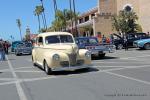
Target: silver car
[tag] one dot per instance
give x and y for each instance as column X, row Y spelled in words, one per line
column 25, row 48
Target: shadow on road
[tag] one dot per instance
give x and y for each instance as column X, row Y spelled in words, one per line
column 106, row 57
column 80, row 71
column 141, row 49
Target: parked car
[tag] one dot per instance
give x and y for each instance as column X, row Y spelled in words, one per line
column 14, row 45
column 131, row 37
column 24, row 48
column 57, row 51
column 92, row 44
column 143, row 44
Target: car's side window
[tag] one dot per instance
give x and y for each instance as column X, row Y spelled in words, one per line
column 40, row 40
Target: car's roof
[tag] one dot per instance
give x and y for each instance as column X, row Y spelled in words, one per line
column 85, row 37
column 54, row 33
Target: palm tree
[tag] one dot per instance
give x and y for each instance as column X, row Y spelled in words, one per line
column 19, row 26
column 37, row 12
column 75, row 18
column 55, row 6
column 70, row 4
column 44, row 16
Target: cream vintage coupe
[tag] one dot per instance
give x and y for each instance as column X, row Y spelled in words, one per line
column 57, row 51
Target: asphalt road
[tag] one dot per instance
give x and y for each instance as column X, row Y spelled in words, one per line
column 123, row 75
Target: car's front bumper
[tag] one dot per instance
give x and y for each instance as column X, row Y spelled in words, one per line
column 71, row 68
column 101, row 51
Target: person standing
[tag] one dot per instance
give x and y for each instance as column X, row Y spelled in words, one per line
column 1, row 47
column 103, row 39
column 6, row 47
column 125, row 43
column 2, row 52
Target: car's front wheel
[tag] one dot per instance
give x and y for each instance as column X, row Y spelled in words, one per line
column 17, row 54
column 33, row 61
column 147, row 46
column 46, row 68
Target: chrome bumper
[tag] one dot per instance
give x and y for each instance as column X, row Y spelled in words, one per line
column 71, row 68
column 95, row 52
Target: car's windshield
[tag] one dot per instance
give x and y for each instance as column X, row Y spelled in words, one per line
column 88, row 41
column 24, row 45
column 59, row 39
column 28, row 45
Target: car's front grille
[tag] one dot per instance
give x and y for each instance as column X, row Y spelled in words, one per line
column 72, row 59
column 80, row 62
column 64, row 63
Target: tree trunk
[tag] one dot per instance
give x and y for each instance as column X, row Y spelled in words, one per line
column 39, row 23
column 20, row 33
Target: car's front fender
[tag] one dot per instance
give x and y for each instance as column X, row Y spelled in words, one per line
column 48, row 57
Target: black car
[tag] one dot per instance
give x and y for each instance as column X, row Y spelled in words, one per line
column 131, row 37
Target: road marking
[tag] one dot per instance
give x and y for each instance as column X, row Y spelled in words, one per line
column 22, row 68
column 24, row 71
column 36, row 79
column 7, row 79
column 136, row 57
column 18, row 85
column 130, row 78
column 8, row 83
column 123, row 67
column 4, row 70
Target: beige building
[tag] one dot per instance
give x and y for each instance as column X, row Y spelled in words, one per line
column 100, row 17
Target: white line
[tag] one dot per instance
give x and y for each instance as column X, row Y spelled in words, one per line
column 122, row 67
column 130, row 78
column 4, row 70
column 18, row 85
column 7, row 79
column 36, row 79
column 136, row 57
column 22, row 68
column 8, row 83
column 24, row 71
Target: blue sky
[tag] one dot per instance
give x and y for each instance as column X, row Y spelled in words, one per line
column 10, row 10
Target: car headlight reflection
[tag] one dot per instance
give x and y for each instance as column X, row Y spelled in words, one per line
column 88, row 54
column 56, row 57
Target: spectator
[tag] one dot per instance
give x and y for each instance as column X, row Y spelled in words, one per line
column 125, row 43
column 2, row 52
column 6, row 47
column 103, row 39
column 111, row 39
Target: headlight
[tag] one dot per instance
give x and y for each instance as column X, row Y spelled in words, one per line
column 88, row 54
column 56, row 57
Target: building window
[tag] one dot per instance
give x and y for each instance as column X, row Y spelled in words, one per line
column 86, row 18
column 92, row 15
column 81, row 20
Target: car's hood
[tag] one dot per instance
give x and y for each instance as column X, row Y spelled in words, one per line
column 66, row 48
column 142, row 40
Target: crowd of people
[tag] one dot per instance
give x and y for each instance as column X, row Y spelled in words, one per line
column 4, row 45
